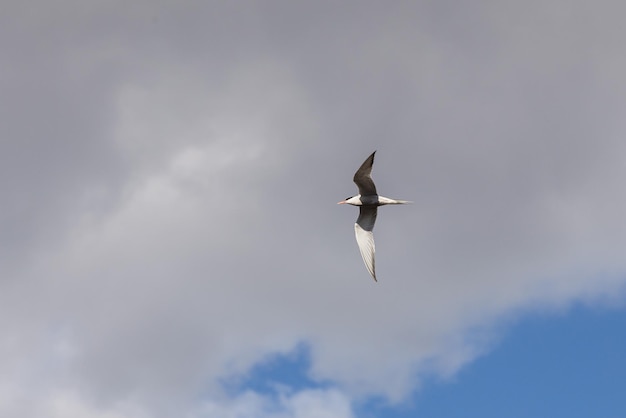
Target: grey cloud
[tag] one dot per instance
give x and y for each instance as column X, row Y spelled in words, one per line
column 170, row 171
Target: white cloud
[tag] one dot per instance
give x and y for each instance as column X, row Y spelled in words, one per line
column 307, row 403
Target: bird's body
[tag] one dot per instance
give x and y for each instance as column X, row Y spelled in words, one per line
column 368, row 201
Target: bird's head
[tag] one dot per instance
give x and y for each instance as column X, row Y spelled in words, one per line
column 354, row 200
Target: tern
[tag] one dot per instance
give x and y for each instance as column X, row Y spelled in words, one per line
column 368, row 202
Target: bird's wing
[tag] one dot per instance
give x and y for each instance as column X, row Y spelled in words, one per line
column 363, row 177
column 365, row 237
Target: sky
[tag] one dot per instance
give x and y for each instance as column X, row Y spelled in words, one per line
column 170, row 243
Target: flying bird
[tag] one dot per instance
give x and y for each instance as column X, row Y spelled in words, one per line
column 368, row 202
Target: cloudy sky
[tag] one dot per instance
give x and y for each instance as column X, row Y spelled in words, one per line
column 170, row 243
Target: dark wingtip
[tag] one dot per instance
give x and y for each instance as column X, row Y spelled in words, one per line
column 372, row 155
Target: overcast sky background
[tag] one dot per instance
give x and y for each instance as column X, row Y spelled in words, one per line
column 169, row 172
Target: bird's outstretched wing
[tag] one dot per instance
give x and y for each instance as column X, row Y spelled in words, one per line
column 365, row 237
column 363, row 177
